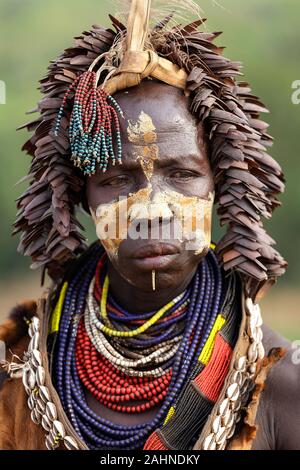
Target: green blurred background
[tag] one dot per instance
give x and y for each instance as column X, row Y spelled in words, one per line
column 263, row 34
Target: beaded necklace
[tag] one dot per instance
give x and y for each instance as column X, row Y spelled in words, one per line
column 172, row 320
column 77, row 357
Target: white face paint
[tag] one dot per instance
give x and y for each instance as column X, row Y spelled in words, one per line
column 142, row 134
column 190, row 216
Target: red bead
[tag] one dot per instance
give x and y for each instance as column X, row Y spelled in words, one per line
column 109, row 385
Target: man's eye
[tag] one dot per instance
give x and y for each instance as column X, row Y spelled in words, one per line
column 184, row 174
column 116, row 181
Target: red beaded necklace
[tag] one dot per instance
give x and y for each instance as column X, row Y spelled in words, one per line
column 110, row 386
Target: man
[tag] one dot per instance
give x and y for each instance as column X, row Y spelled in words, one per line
column 152, row 339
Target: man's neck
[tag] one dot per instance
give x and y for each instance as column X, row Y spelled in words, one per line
column 138, row 301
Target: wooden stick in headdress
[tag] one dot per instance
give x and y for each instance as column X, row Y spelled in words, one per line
column 138, row 63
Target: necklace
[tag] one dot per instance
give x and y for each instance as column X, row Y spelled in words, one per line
column 110, row 379
column 157, row 354
column 202, row 311
column 172, row 320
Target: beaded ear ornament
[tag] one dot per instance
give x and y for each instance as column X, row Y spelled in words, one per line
column 94, row 119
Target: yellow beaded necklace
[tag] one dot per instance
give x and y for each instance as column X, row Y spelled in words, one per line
column 137, row 331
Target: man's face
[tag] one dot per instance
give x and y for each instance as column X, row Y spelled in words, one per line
column 153, row 212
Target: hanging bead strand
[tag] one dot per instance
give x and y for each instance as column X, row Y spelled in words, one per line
column 94, row 124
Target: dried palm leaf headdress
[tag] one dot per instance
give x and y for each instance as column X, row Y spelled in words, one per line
column 79, row 119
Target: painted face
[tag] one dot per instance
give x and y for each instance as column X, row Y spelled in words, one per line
column 153, row 212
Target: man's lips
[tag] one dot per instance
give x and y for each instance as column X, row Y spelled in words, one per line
column 159, row 256
column 157, row 250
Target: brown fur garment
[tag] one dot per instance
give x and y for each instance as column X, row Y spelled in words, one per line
column 17, row 431
column 15, row 327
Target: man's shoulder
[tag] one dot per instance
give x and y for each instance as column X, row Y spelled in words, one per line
column 284, row 377
column 15, row 326
column 13, row 332
column 273, row 339
column 279, row 412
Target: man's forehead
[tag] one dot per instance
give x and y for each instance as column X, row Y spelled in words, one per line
column 158, row 125
column 149, row 128
column 170, row 149
column 165, row 106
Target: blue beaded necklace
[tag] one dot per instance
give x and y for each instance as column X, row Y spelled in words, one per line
column 170, row 328
column 205, row 292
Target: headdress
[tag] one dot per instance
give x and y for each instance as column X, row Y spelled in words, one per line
column 78, row 118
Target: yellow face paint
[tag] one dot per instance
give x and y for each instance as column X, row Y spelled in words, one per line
column 190, row 215
column 142, row 134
